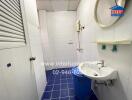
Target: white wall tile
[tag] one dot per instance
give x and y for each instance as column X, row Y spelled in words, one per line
column 60, row 31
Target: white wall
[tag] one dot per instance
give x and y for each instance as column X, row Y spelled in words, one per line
column 121, row 60
column 45, row 36
column 18, row 81
column 88, row 35
column 60, row 31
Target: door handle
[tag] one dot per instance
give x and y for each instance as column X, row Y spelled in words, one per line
column 9, row 65
column 32, row 58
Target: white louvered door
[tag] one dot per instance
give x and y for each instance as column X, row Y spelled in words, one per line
column 11, row 24
column 17, row 82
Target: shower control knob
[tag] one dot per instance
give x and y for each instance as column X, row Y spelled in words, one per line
column 32, row 58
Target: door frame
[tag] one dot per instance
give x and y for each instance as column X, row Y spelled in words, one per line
column 27, row 44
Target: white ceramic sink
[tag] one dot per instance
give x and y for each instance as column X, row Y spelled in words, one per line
column 94, row 72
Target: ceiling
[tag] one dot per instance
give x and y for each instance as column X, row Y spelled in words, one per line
column 58, row 5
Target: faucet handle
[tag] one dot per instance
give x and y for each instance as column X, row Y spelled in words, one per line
column 101, row 62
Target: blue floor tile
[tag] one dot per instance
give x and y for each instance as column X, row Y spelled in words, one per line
column 64, row 93
column 46, row 95
column 69, row 76
column 64, row 86
column 59, row 86
column 50, row 82
column 72, row 98
column 56, row 87
column 57, row 76
column 71, row 86
column 55, row 94
column 71, row 92
column 50, row 79
column 55, row 99
column 45, row 99
column 57, row 81
column 64, row 81
column 63, row 76
column 66, row 98
column 70, row 80
column 48, row 73
column 48, row 88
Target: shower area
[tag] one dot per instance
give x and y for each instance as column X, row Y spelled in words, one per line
column 58, row 35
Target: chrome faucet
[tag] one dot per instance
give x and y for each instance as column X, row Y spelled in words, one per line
column 101, row 62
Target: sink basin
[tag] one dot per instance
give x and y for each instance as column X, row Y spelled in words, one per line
column 94, row 72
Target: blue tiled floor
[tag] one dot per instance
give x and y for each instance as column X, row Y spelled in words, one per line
column 60, row 86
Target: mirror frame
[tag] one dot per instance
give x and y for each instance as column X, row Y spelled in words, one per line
column 120, row 3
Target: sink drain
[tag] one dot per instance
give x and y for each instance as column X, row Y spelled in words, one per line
column 95, row 74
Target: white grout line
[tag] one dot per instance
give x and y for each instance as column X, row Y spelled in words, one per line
column 60, row 87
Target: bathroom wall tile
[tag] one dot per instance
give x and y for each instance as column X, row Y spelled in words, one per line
column 90, row 52
column 123, row 27
column 129, row 95
column 58, row 39
column 122, row 62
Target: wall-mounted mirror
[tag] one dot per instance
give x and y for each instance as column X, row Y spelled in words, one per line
column 102, row 12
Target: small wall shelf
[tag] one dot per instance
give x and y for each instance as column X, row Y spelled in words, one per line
column 127, row 42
